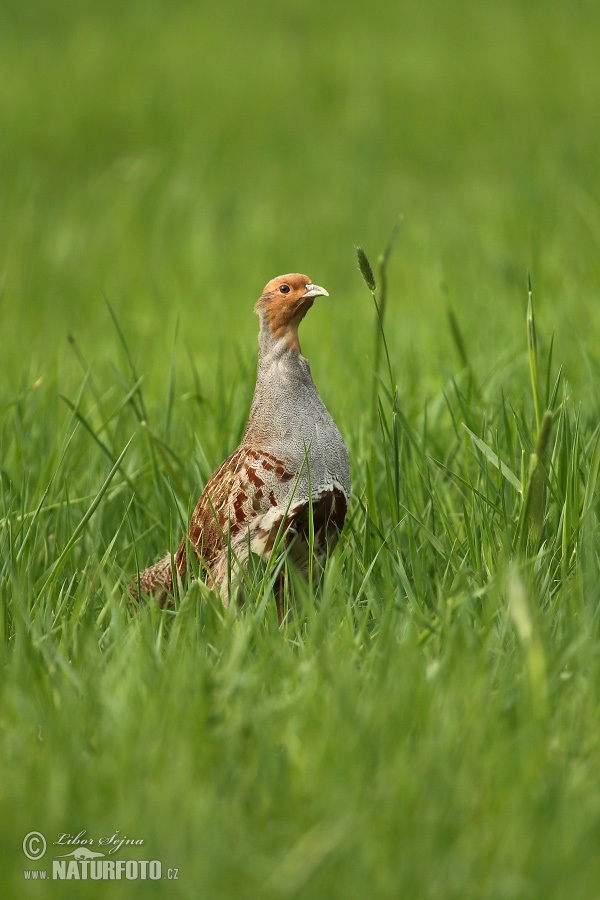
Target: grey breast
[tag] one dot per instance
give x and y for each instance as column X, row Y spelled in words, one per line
column 303, row 429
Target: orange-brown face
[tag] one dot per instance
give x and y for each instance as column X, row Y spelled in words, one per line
column 285, row 301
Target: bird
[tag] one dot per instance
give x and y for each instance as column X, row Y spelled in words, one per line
column 291, row 466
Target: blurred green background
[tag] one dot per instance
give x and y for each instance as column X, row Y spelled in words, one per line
column 176, row 155
column 172, row 157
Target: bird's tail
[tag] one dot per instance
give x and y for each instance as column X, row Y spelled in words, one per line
column 155, row 581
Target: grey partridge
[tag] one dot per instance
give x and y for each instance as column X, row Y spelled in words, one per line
column 291, row 465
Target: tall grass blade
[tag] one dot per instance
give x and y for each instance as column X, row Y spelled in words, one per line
column 494, row 459
column 533, row 354
column 58, row 565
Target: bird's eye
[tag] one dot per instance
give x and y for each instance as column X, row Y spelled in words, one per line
column 284, row 289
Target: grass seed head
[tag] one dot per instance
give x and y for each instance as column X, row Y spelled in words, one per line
column 365, row 269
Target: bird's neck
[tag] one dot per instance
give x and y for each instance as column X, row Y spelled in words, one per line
column 283, row 383
column 279, row 356
column 279, row 327
column 271, row 347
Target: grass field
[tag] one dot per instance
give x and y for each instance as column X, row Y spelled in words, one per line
column 426, row 726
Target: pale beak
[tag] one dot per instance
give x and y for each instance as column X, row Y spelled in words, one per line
column 313, row 290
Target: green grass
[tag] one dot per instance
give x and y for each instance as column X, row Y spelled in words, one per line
column 427, row 724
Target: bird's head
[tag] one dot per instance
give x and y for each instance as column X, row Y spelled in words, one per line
column 284, row 303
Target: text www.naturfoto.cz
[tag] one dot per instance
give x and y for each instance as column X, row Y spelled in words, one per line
column 101, row 870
